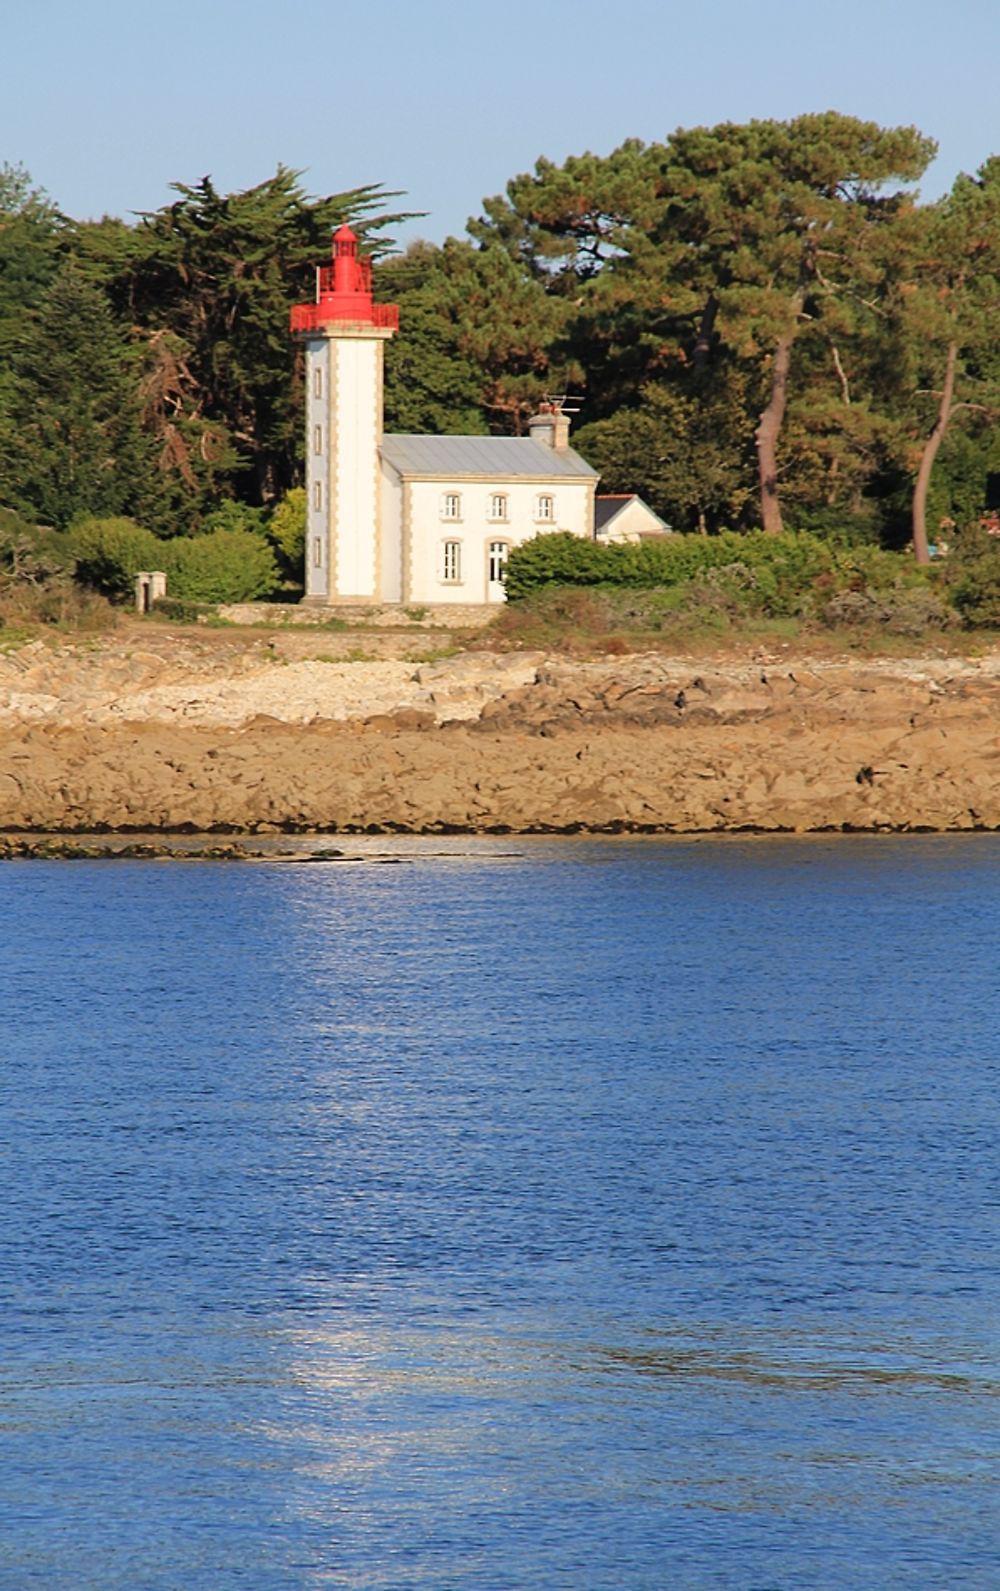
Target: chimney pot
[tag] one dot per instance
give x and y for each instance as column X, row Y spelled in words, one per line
column 550, row 426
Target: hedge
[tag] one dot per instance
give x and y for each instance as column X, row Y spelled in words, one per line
column 227, row 566
column 110, row 553
column 779, row 573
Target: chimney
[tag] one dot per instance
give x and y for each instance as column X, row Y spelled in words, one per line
column 550, row 426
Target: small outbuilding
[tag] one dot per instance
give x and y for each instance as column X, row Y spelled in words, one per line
column 623, row 516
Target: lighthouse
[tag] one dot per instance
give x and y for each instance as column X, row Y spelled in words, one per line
column 404, row 520
column 344, row 333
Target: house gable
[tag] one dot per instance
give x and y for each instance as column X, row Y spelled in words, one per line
column 625, row 517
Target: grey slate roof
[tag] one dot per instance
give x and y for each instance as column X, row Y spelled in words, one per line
column 500, row 457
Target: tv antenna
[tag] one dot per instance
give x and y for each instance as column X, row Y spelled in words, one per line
column 561, row 401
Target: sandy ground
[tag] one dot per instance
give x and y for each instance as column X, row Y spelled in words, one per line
column 153, row 729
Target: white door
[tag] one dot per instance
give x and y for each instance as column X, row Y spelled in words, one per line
column 494, row 575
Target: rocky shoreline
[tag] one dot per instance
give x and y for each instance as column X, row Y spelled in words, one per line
column 262, row 736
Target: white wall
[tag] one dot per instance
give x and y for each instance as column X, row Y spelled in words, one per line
column 475, row 530
column 343, row 431
column 317, row 464
column 355, row 468
column 391, row 547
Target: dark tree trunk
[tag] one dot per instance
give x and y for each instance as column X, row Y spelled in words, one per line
column 706, row 330
column 921, row 549
column 769, row 429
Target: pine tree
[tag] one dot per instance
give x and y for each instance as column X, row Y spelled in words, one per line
column 73, row 443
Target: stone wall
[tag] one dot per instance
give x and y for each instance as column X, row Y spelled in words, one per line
column 433, row 616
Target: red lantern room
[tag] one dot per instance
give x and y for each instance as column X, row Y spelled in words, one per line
column 344, row 292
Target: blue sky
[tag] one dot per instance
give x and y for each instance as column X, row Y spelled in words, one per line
column 108, row 102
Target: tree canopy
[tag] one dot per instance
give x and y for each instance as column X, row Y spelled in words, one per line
column 199, row 294
column 760, row 324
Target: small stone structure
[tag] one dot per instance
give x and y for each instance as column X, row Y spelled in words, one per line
column 150, row 585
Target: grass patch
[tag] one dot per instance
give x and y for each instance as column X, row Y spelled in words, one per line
column 432, row 654
column 13, row 637
column 54, row 605
column 599, row 621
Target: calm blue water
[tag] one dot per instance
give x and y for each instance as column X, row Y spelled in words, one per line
column 542, row 1215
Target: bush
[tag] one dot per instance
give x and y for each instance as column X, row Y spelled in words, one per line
column 56, row 602
column 182, row 612
column 972, row 576
column 36, row 584
column 231, row 515
column 903, row 610
column 783, row 566
column 791, row 576
column 227, row 566
column 559, row 559
column 975, row 593
column 287, row 530
column 110, row 553
column 875, row 569
column 839, row 527
column 32, row 554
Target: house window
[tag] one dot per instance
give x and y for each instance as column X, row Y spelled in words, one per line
column 498, row 506
column 498, row 561
column 451, row 564
column 317, row 494
column 451, row 505
column 545, row 507
column 317, row 382
column 317, row 439
column 317, row 552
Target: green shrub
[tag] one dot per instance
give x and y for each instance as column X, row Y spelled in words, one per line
column 791, row 576
column 905, row 609
column 560, row 559
column 287, row 530
column 231, row 515
column 32, row 554
column 110, row 553
column 36, row 584
column 783, row 567
column 975, row 593
column 731, row 589
column 227, row 566
column 784, row 564
column 180, row 611
column 972, row 577
column 970, row 545
column 840, row 528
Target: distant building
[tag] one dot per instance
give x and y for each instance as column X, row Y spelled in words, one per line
column 623, row 516
column 421, row 519
column 454, row 506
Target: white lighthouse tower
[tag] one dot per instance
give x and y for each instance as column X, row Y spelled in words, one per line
column 344, row 333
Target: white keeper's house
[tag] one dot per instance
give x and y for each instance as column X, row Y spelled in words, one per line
column 415, row 519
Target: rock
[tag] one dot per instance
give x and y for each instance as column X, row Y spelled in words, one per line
column 209, row 733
